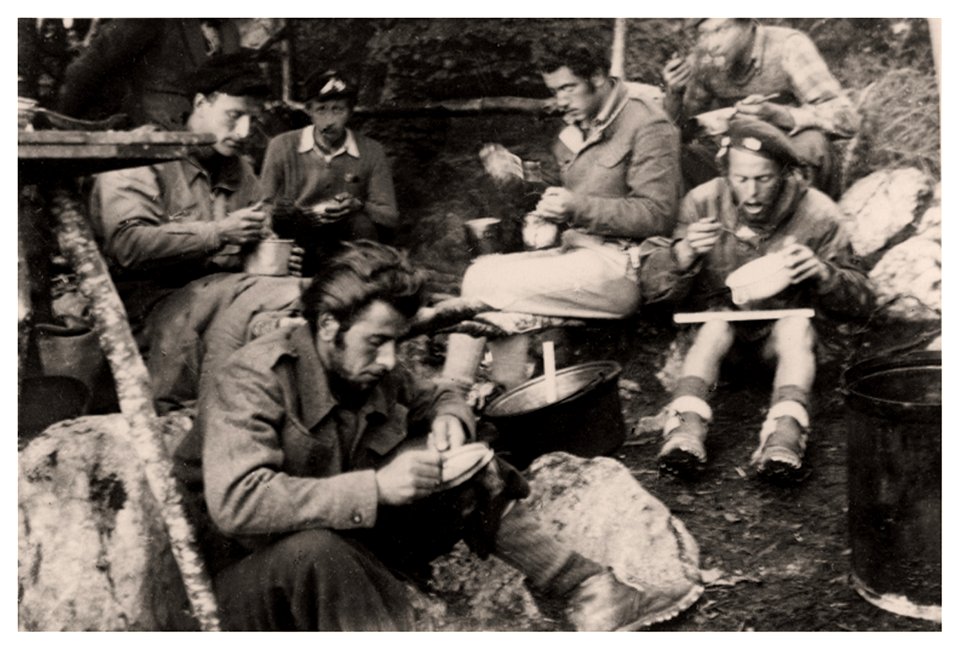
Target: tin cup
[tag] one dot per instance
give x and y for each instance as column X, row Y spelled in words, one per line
column 270, row 257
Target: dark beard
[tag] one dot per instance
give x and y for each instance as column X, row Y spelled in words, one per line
column 349, row 394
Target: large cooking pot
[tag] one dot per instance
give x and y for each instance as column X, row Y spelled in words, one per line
column 585, row 420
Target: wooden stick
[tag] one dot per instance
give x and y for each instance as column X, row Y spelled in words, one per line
column 550, row 371
column 730, row 316
column 136, row 402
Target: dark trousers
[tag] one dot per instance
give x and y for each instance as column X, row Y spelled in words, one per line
column 349, row 580
column 698, row 162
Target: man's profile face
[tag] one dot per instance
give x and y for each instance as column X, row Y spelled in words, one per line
column 330, row 119
column 755, row 181
column 363, row 354
column 228, row 117
column 576, row 96
column 725, row 40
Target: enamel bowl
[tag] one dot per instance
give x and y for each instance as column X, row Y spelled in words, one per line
column 762, row 278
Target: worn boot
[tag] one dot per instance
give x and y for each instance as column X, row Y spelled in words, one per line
column 783, row 441
column 602, row 603
column 683, row 451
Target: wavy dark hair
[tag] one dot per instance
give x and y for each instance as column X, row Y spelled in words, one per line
column 584, row 52
column 358, row 275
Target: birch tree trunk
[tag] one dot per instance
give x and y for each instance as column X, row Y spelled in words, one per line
column 136, row 404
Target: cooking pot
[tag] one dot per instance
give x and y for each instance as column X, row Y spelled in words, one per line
column 585, row 419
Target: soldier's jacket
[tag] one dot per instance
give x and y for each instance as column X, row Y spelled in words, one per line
column 803, row 213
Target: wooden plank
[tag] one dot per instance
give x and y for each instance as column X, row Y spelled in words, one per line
column 731, row 316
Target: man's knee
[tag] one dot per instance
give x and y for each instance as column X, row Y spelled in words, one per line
column 792, row 335
column 716, row 336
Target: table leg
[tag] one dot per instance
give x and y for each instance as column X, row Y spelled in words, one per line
column 133, row 390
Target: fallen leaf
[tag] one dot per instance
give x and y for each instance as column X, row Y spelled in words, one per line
column 740, row 472
column 685, row 499
column 709, row 576
column 732, row 518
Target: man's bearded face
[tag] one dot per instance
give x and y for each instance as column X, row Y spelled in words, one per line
column 363, row 354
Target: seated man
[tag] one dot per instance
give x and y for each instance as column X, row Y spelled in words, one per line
column 321, row 459
column 761, row 205
column 170, row 229
column 737, row 63
column 338, row 181
column 619, row 162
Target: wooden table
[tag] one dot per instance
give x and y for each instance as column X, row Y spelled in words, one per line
column 53, row 160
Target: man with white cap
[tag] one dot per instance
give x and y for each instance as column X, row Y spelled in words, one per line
column 760, row 206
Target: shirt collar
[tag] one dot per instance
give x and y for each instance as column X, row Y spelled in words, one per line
column 308, row 144
column 316, row 399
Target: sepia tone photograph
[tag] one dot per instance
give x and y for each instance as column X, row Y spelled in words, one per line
column 479, row 324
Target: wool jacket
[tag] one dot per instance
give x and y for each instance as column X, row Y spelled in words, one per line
column 624, row 175
column 295, row 171
column 281, row 454
column 801, row 213
column 156, row 225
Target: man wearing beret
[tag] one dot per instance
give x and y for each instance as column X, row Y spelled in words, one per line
column 338, row 180
column 172, row 229
column 774, row 74
column 762, row 205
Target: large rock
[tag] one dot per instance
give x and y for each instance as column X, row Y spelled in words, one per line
column 908, row 279
column 929, row 226
column 93, row 551
column 880, row 206
column 597, row 508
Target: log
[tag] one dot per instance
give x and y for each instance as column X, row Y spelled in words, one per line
column 453, row 107
column 731, row 316
column 136, row 402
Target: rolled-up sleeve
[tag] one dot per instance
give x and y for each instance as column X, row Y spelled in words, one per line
column 246, row 490
column 136, row 233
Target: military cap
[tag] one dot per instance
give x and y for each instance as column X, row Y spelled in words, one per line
column 235, row 74
column 762, row 138
column 330, row 85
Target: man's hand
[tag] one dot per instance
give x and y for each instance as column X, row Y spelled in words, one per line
column 409, row 476
column 804, row 264
column 755, row 106
column 338, row 207
column 243, row 225
column 676, row 74
column 295, row 264
column 701, row 237
column 446, row 433
column 556, row 204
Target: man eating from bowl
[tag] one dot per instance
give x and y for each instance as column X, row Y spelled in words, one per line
column 761, row 206
column 774, row 74
column 323, row 475
column 337, row 181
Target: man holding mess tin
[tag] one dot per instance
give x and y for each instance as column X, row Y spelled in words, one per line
column 769, row 73
column 330, row 476
column 762, row 221
column 176, row 233
column 329, row 183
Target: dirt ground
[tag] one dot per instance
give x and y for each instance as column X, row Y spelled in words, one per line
column 774, row 558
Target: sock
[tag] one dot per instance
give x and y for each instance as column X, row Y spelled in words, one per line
column 464, row 354
column 692, row 385
column 791, row 392
column 552, row 569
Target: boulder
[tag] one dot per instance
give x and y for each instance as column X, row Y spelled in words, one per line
column 598, row 508
column 880, row 206
column 907, row 278
column 93, row 550
column 929, row 226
